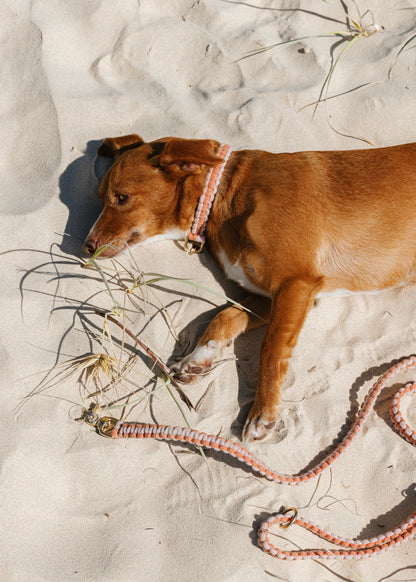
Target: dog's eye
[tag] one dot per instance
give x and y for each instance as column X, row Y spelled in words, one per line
column 121, row 198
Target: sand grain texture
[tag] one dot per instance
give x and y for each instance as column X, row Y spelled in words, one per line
column 75, row 506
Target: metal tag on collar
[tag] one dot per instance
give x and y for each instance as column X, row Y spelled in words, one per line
column 192, row 246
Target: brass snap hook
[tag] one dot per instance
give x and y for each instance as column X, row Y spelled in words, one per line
column 104, row 426
column 292, row 519
column 193, row 247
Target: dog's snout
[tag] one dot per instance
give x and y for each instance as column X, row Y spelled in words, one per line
column 90, row 246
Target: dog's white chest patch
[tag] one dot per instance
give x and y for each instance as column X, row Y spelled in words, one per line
column 236, row 273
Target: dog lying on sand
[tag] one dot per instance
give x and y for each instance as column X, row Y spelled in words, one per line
column 285, row 226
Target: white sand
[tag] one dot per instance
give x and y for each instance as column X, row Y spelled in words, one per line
column 75, row 506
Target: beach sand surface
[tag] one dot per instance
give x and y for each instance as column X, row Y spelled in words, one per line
column 79, row 507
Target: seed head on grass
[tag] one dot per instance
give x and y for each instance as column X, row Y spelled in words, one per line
column 97, row 370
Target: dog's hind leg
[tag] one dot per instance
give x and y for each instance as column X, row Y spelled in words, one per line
column 290, row 307
column 223, row 329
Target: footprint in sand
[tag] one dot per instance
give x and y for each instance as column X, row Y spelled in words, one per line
column 335, row 359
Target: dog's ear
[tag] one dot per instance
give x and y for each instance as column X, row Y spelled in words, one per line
column 189, row 156
column 114, row 146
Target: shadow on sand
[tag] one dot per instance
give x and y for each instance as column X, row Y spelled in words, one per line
column 79, row 192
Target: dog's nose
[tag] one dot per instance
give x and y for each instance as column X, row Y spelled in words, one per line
column 90, row 246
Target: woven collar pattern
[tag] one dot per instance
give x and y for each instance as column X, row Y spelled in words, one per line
column 196, row 236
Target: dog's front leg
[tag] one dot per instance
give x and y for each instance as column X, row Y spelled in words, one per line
column 289, row 308
column 223, row 329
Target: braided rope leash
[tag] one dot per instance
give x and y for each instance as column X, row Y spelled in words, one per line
column 352, row 549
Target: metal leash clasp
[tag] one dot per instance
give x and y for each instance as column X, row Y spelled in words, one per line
column 103, row 425
column 89, row 415
column 193, row 247
column 292, row 519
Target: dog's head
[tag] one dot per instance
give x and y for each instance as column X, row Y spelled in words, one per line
column 143, row 191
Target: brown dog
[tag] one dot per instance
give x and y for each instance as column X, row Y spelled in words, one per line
column 285, row 226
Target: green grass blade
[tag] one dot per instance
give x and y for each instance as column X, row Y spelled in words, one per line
column 402, row 48
column 99, row 251
column 176, row 401
column 117, row 306
column 138, row 400
column 331, row 72
column 157, row 277
column 289, row 42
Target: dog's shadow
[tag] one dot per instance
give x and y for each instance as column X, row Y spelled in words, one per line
column 79, row 192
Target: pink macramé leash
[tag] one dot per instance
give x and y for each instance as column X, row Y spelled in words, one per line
column 352, row 549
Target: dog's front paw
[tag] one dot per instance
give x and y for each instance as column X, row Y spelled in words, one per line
column 259, row 425
column 196, row 363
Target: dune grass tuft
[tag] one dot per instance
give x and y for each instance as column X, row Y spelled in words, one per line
column 356, row 30
column 106, row 375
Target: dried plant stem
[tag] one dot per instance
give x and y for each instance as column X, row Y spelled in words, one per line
column 168, row 376
column 165, row 369
column 142, row 345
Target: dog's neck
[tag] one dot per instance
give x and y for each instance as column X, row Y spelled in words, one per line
column 195, row 239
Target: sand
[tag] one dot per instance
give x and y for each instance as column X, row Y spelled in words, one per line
column 76, row 506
